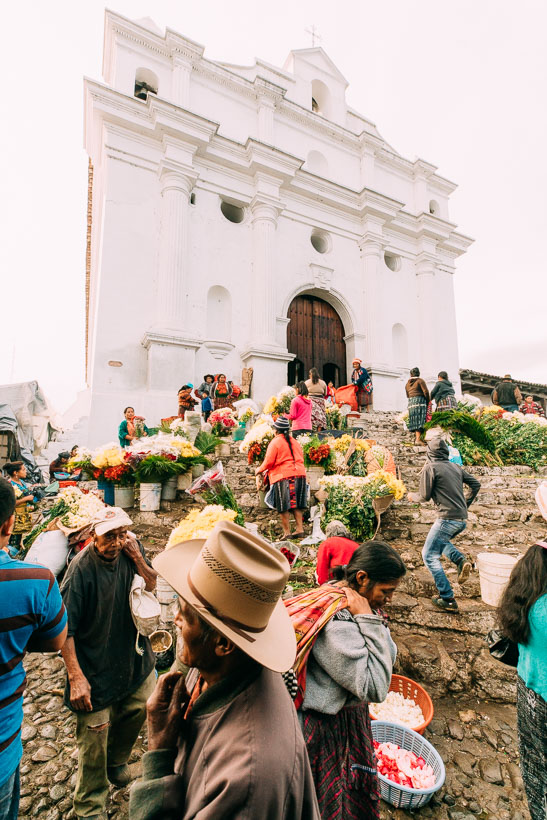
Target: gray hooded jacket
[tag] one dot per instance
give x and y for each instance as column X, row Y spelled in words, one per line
column 443, row 481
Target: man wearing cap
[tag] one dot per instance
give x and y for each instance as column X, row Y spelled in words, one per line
column 361, row 379
column 507, row 394
column 225, row 742
column 110, row 675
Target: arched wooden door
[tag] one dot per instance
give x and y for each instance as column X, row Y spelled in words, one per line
column 315, row 334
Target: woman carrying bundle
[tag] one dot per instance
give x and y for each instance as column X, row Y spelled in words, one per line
column 344, row 660
column 284, row 463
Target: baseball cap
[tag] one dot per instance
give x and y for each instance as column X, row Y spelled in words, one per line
column 110, row 519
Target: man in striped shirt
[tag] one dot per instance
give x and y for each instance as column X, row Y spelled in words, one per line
column 32, row 619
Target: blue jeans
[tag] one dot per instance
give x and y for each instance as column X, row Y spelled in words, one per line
column 438, row 543
column 510, row 408
column 9, row 797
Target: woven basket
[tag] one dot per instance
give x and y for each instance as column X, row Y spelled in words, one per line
column 402, row 796
column 408, row 688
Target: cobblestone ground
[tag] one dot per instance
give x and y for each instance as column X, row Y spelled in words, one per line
column 477, row 741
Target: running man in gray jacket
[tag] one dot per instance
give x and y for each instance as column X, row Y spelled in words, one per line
column 443, row 481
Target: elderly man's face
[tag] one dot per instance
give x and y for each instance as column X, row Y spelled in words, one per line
column 111, row 543
column 197, row 651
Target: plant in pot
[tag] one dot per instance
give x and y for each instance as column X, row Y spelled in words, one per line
column 123, row 479
column 318, row 460
column 223, row 421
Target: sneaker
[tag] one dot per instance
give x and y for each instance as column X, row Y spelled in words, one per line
column 119, row 775
column 464, row 568
column 442, row 603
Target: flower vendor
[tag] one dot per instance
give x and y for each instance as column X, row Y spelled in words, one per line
column 442, row 481
column 185, row 399
column 341, row 628
column 58, row 467
column 361, row 379
column 300, row 412
column 418, row 399
column 531, row 407
column 443, row 394
column 336, row 550
column 24, row 500
column 284, row 464
column 221, row 393
column 224, row 740
column 109, row 681
column 131, row 427
column 317, row 391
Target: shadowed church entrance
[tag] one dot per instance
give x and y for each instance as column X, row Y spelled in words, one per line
column 315, row 334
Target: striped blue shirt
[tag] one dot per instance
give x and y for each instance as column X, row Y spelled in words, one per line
column 30, row 607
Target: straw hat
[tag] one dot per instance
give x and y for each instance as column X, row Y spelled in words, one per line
column 234, row 580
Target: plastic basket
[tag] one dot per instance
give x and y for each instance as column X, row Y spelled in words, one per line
column 402, row 796
column 408, row 688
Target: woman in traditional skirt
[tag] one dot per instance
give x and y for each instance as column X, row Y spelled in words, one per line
column 221, row 393
column 418, row 399
column 284, row 463
column 317, row 391
column 523, row 619
column 24, row 501
column 361, row 379
column 443, row 394
column 349, row 666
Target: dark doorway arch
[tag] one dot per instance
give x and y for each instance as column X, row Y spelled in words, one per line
column 315, row 334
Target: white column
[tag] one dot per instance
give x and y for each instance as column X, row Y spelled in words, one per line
column 371, row 253
column 428, row 311
column 181, row 83
column 264, row 222
column 266, row 108
column 172, row 261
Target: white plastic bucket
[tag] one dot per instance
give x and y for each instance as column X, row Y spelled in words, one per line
column 494, row 571
column 169, row 489
column 184, row 480
column 164, row 593
column 150, row 497
column 124, row 497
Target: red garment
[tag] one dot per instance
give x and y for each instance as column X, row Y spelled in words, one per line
column 278, row 460
column 534, row 409
column 333, row 552
column 300, row 413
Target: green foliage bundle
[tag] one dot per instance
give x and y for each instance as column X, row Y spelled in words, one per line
column 358, row 516
column 155, row 469
column 461, row 422
column 207, row 443
column 518, row 443
column 223, row 495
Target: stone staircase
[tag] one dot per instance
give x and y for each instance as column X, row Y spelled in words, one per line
column 444, row 650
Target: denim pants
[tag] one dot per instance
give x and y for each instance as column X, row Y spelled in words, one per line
column 9, row 797
column 510, row 408
column 105, row 738
column 438, row 543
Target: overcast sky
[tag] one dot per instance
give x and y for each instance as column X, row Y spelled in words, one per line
column 459, row 83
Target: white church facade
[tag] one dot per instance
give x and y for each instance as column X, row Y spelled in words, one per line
column 246, row 217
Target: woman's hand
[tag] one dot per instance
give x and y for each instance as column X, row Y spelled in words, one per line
column 357, row 605
column 165, row 708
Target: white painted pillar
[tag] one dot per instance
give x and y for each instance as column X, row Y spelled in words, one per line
column 264, row 222
column 428, row 311
column 371, row 253
column 266, row 108
column 172, row 261
column 180, row 92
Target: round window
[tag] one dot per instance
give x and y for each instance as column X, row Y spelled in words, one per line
column 233, row 213
column 392, row 261
column 321, row 241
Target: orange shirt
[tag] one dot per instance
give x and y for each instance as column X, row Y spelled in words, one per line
column 278, row 460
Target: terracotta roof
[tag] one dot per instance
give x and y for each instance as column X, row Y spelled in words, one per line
column 490, row 381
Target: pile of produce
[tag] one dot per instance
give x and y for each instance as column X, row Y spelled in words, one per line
column 199, row 523
column 398, row 709
column 403, row 767
column 493, row 437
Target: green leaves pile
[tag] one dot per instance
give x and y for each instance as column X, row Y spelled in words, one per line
column 357, row 516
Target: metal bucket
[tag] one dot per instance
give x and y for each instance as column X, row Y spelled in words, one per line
column 124, row 497
column 169, row 489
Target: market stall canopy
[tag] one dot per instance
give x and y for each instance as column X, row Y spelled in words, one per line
column 26, row 412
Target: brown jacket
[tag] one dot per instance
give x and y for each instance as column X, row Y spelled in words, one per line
column 243, row 757
column 416, row 386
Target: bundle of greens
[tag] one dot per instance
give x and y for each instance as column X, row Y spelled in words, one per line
column 516, row 442
column 458, row 421
column 222, row 495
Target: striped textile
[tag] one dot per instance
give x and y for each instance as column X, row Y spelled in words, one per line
column 309, row 613
column 532, row 730
column 343, row 763
column 30, row 607
column 417, row 410
column 448, row 403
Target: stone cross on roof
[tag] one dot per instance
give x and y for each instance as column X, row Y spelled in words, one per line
column 314, row 35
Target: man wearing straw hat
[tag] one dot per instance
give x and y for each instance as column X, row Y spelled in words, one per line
column 110, row 675
column 225, row 742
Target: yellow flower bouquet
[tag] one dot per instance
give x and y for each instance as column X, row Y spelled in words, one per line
column 199, row 523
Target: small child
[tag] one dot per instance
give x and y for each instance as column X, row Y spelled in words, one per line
column 206, row 407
